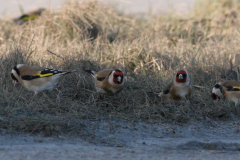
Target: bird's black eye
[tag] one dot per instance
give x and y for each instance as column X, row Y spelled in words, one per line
column 217, row 86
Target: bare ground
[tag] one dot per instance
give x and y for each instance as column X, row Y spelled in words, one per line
column 121, row 139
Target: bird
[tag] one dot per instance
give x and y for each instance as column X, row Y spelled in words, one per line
column 35, row 78
column 178, row 89
column 228, row 90
column 108, row 81
column 28, row 16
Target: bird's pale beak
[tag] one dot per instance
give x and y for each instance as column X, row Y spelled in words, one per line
column 180, row 76
column 119, row 78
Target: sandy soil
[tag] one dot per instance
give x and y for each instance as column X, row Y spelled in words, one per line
column 119, row 139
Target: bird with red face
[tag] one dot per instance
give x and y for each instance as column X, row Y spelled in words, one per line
column 177, row 90
column 228, row 90
column 110, row 81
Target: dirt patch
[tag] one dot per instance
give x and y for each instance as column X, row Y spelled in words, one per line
column 120, row 139
column 211, row 146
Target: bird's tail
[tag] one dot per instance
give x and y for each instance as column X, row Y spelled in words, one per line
column 67, row 72
column 90, row 71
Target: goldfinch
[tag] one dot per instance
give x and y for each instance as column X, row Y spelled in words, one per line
column 110, row 81
column 178, row 89
column 29, row 16
column 35, row 78
column 229, row 90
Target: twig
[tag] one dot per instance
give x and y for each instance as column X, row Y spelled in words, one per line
column 29, row 48
column 55, row 54
column 197, row 86
column 88, row 90
column 29, row 55
column 154, row 92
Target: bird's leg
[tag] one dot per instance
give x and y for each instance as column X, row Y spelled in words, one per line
column 36, row 93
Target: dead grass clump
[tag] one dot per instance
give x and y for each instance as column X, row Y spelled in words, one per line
column 150, row 50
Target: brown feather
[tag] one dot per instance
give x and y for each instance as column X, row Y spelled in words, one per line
column 231, row 83
column 103, row 73
column 176, row 96
column 26, row 70
column 231, row 96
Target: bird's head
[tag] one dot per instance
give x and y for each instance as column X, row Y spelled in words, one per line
column 182, row 77
column 15, row 75
column 216, row 92
column 118, row 76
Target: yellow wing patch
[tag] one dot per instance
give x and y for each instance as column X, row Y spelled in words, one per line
column 46, row 75
column 31, row 17
column 237, row 87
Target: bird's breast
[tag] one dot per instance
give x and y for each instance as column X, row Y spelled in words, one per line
column 182, row 91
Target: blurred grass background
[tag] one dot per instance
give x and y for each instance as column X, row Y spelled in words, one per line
column 149, row 48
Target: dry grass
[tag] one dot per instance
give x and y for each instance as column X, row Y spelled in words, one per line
column 150, row 50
